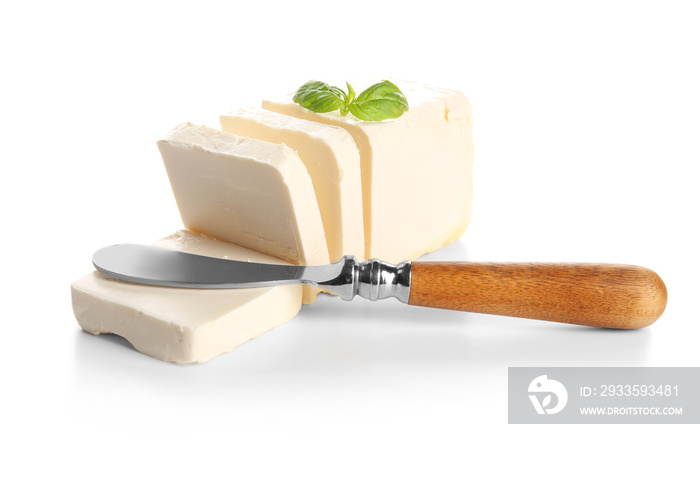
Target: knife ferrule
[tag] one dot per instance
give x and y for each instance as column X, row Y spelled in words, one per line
column 372, row 279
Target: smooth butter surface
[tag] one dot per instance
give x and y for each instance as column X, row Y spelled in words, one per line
column 184, row 325
column 416, row 170
column 252, row 193
column 333, row 162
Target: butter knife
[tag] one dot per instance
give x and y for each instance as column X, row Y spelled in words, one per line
column 604, row 295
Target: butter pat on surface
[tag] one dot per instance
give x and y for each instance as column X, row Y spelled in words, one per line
column 333, row 161
column 416, row 169
column 252, row 193
column 184, row 325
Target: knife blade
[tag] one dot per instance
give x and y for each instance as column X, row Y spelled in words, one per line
column 604, row 295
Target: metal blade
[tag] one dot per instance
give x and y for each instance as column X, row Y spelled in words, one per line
column 151, row 265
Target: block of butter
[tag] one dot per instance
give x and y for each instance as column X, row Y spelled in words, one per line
column 249, row 192
column 284, row 184
column 416, row 169
column 184, row 325
column 333, row 161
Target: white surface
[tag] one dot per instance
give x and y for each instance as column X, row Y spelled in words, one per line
column 586, row 132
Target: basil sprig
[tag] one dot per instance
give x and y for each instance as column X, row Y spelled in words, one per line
column 381, row 101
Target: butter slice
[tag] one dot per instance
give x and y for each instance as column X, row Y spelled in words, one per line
column 245, row 191
column 184, row 325
column 333, row 161
column 416, row 169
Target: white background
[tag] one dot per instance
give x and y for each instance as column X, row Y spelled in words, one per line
column 586, row 132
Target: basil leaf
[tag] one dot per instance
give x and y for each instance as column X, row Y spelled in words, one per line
column 349, row 99
column 383, row 100
column 319, row 97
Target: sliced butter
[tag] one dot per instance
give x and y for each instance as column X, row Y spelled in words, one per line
column 416, row 169
column 245, row 191
column 184, row 325
column 333, row 161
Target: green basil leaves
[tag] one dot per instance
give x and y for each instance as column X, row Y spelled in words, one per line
column 319, row 97
column 381, row 101
column 378, row 102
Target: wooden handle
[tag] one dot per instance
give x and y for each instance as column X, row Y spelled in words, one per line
column 606, row 295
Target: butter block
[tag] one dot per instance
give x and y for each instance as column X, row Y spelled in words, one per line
column 184, row 325
column 333, row 161
column 416, row 169
column 252, row 193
